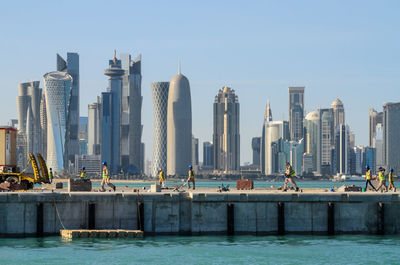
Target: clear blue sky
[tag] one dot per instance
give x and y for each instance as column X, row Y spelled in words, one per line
column 345, row 49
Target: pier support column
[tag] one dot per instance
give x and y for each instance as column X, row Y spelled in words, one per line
column 140, row 216
column 92, row 216
column 281, row 218
column 39, row 219
column 331, row 218
column 381, row 218
column 230, row 219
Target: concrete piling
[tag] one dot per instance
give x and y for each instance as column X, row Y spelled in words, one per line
column 140, row 216
column 281, row 218
column 230, row 219
column 39, row 219
column 331, row 218
column 92, row 216
column 381, row 218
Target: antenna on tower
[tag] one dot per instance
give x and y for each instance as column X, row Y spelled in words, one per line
column 179, row 67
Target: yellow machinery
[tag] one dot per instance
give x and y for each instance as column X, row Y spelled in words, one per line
column 26, row 180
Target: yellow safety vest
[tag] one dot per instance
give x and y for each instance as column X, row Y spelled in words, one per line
column 290, row 172
column 161, row 175
column 83, row 174
column 105, row 173
column 368, row 174
column 191, row 174
column 391, row 178
column 381, row 175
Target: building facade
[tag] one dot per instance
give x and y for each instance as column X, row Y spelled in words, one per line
column 208, row 154
column 375, row 118
column 296, row 113
column 71, row 66
column 274, row 131
column 313, row 141
column 160, row 106
column 342, row 149
column 94, row 128
column 179, row 126
column 391, row 136
column 57, row 87
column 256, row 147
column 226, row 136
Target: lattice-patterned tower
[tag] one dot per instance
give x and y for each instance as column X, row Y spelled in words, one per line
column 160, row 102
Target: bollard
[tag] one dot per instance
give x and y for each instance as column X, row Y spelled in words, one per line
column 381, row 218
column 140, row 216
column 230, row 219
column 92, row 216
column 281, row 218
column 39, row 219
column 331, row 218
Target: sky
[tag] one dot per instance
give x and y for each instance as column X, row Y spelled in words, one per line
column 336, row 49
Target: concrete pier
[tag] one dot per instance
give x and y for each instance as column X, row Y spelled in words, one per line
column 235, row 212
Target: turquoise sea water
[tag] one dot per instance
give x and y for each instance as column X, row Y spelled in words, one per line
column 353, row 249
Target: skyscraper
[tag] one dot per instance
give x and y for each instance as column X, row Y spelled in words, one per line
column 179, row 126
column 391, row 135
column 274, row 131
column 267, row 118
column 131, row 114
column 313, row 139
column 326, row 138
column 43, row 126
column 57, row 86
column 195, row 152
column 71, row 66
column 256, row 146
column 160, row 105
column 226, row 137
column 111, row 119
column 342, row 149
column 208, row 154
column 338, row 113
column 375, row 118
column 94, row 128
column 29, row 129
column 296, row 113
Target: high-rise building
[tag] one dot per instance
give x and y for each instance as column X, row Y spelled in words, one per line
column 43, row 126
column 111, row 116
column 256, row 147
column 83, row 135
column 313, row 140
column 94, row 128
column 342, row 149
column 195, row 152
column 338, row 113
column 378, row 145
column 267, row 118
column 160, row 105
column 326, row 138
column 71, row 66
column 289, row 151
column 296, row 113
column 226, row 137
column 274, row 130
column 208, row 154
column 391, row 136
column 375, row 118
column 57, row 87
column 179, row 126
column 29, row 129
column 131, row 114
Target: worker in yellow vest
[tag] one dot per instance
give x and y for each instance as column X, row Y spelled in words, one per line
column 368, row 177
column 106, row 178
column 289, row 175
column 83, row 173
column 191, row 177
column 391, row 180
column 381, row 177
column 50, row 175
column 161, row 176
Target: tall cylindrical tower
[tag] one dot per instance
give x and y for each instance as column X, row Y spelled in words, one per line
column 179, row 126
column 160, row 104
column 57, row 87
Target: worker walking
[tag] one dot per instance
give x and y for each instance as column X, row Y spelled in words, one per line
column 391, row 180
column 289, row 175
column 50, row 175
column 83, row 173
column 161, row 177
column 368, row 177
column 106, row 178
column 191, row 177
column 381, row 177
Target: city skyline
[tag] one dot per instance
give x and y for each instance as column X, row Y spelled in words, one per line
column 335, row 65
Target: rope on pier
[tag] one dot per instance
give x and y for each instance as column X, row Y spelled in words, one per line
column 58, row 215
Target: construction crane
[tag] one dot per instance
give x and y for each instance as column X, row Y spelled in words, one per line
column 23, row 180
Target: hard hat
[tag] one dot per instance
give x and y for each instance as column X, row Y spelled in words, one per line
column 391, row 169
column 190, row 166
column 83, row 168
column 367, row 167
column 380, row 168
column 104, row 163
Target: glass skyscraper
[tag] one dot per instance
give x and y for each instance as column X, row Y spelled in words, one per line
column 296, row 113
